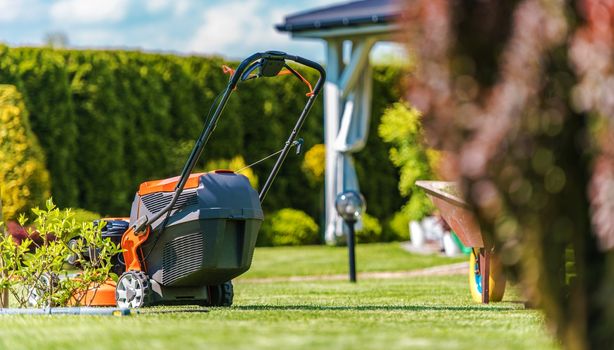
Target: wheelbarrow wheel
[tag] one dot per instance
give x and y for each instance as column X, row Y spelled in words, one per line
column 496, row 281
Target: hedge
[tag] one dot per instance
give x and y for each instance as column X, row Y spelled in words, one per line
column 371, row 230
column 40, row 75
column 108, row 120
column 23, row 177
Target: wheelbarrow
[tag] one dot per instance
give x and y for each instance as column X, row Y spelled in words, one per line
column 484, row 263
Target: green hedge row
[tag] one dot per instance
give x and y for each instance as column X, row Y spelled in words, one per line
column 108, row 120
column 41, row 77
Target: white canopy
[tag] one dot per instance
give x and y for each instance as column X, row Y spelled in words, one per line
column 347, row 92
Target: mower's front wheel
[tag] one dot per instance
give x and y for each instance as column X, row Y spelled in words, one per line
column 133, row 289
column 221, row 295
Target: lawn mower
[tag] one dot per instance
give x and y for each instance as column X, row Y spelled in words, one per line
column 188, row 236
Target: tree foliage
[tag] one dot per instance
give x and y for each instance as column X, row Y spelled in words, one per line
column 401, row 127
column 520, row 92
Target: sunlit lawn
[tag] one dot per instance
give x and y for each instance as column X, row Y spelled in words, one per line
column 326, row 260
column 432, row 312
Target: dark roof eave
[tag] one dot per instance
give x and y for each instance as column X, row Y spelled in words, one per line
column 337, row 23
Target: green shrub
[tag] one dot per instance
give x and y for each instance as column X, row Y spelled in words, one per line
column 314, row 164
column 288, row 227
column 401, row 127
column 40, row 272
column 371, row 230
column 23, row 176
column 398, row 226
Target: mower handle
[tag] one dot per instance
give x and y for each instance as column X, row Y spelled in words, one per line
column 202, row 140
column 278, row 55
column 237, row 76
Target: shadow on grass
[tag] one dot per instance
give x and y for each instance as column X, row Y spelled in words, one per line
column 460, row 308
column 374, row 308
column 171, row 310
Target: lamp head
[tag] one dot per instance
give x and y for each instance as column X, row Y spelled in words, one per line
column 350, row 205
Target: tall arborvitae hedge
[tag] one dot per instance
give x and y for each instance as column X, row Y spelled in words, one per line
column 108, row 120
column 41, row 76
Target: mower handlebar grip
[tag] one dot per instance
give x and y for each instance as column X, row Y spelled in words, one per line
column 236, row 77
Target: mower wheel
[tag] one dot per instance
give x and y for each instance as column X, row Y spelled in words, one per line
column 39, row 293
column 72, row 259
column 133, row 290
column 221, row 295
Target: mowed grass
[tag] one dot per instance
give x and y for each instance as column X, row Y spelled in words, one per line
column 327, row 260
column 432, row 312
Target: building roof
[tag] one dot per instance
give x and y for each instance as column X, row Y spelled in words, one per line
column 350, row 14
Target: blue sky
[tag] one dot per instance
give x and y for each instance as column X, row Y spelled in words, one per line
column 232, row 28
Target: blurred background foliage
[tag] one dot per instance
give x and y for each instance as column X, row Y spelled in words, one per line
column 370, row 230
column 235, row 164
column 401, row 128
column 109, row 120
column 288, row 227
column 520, row 93
column 314, row 164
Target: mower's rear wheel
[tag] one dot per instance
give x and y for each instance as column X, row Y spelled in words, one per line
column 221, row 295
column 133, row 290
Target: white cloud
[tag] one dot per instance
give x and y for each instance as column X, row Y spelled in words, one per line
column 237, row 26
column 156, row 5
column 177, row 7
column 90, row 11
column 15, row 11
column 222, row 26
column 181, row 7
column 9, row 10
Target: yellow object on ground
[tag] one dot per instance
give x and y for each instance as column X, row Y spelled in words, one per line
column 497, row 279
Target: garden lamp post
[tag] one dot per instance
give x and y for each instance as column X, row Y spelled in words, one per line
column 350, row 205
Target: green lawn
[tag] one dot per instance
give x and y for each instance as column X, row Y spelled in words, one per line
column 326, row 260
column 432, row 312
